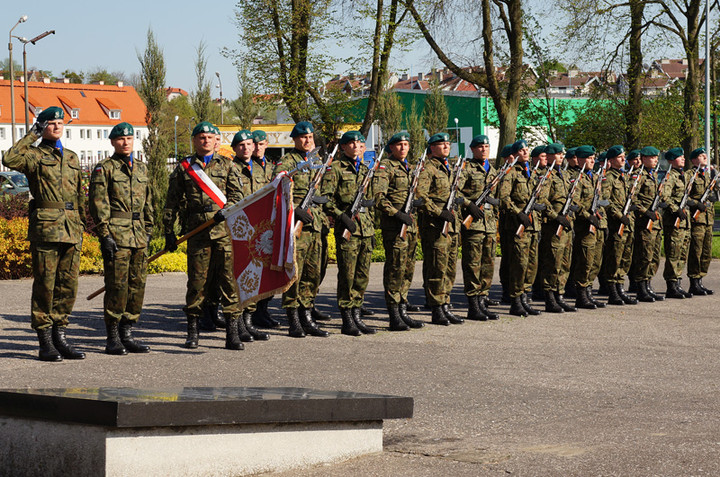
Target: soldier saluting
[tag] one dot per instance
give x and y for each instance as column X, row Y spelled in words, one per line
column 55, row 229
column 120, row 201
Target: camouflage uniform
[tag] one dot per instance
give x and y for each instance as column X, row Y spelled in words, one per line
column 700, row 249
column 602, row 231
column 555, row 251
column 209, row 253
column 55, row 229
column 618, row 250
column 677, row 239
column 120, row 201
column 439, row 251
column 340, row 185
column 533, row 258
column 391, row 187
column 646, row 257
column 307, row 246
column 583, row 251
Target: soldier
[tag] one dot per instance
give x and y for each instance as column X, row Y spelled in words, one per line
column 506, row 157
column 629, row 262
column 203, row 184
column 533, row 289
column 391, row 187
column 299, row 298
column 676, row 224
column 618, row 186
column 556, row 247
column 647, row 241
column 439, row 251
column 478, row 241
column 121, row 206
column 55, row 229
column 602, row 200
column 703, row 216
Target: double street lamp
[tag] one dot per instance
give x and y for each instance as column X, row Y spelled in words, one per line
column 222, row 115
column 22, row 19
column 25, row 41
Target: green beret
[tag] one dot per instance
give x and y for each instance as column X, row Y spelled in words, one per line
column 506, row 151
column 601, row 157
column 674, row 153
column 584, row 152
column 240, row 136
column 302, row 128
column 122, row 129
column 570, row 153
column 615, row 151
column 649, row 151
column 203, row 127
column 259, row 135
column 439, row 137
column 401, row 136
column 216, row 130
column 554, row 148
column 633, row 154
column 50, row 114
column 697, row 152
column 351, row 136
column 479, row 139
column 537, row 150
column 518, row 145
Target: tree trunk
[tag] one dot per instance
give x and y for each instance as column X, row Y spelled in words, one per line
column 635, row 76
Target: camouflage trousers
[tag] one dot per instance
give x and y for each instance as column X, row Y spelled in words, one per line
column 125, row 284
column 555, row 253
column 478, row 261
column 617, row 253
column 505, row 235
column 55, row 269
column 600, row 236
column 677, row 242
column 439, row 263
column 583, row 253
column 309, row 270
column 700, row 250
column 646, row 254
column 399, row 265
column 353, row 264
column 210, row 270
column 522, row 262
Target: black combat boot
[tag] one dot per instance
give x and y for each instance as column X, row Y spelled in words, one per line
column 60, row 342
column 308, row 324
column 452, row 318
column 490, row 302
column 348, row 323
column 261, row 317
column 474, row 311
column 113, row 344
column 517, row 308
column 695, row 287
column 551, row 304
column 707, row 290
column 614, row 297
column 254, row 332
column 571, row 290
column 232, row 340
column 318, row 315
column 506, row 299
column 673, row 290
column 295, row 330
column 127, row 339
column 605, row 287
column 482, row 304
column 366, row 311
column 681, row 290
column 243, row 333
column 530, row 310
column 627, row 299
column 410, row 307
column 365, row 329
column 396, row 321
column 643, row 294
column 633, row 287
column 589, row 292
column 192, row 332
column 582, row 300
column 563, row 304
column 652, row 293
column 438, row 317
column 403, row 308
column 47, row 349
column 205, row 322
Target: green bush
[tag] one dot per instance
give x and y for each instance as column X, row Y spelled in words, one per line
column 169, row 262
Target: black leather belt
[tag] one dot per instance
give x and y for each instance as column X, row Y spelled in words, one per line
column 43, row 204
column 118, row 214
column 203, row 208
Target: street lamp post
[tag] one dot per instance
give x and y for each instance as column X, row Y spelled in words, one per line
column 22, row 19
column 222, row 115
column 25, row 76
column 176, row 119
column 457, row 134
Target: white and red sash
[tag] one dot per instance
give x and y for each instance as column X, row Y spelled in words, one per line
column 197, row 174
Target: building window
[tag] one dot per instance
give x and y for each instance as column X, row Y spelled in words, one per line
column 82, row 154
column 21, row 132
column 105, row 133
column 82, row 134
column 68, row 133
column 99, row 155
column 99, row 133
column 74, row 113
column 114, row 114
column 137, row 134
column 2, row 133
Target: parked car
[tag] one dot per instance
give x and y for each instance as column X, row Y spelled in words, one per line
column 14, row 183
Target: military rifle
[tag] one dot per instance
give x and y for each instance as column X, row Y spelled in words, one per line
column 706, row 194
column 597, row 202
column 485, row 196
column 568, row 205
column 656, row 201
column 408, row 207
column 450, row 204
column 686, row 195
column 630, row 196
column 314, row 185
column 532, row 202
column 360, row 195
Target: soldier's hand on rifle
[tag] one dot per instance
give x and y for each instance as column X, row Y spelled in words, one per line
column 632, row 208
column 594, row 220
column 524, row 219
column 417, row 203
column 539, row 207
column 108, row 247
column 320, row 199
column 368, row 203
column 170, row 242
column 701, row 206
column 38, row 127
column 476, row 212
column 682, row 215
column 303, row 215
column 625, row 220
column 651, row 215
column 348, row 222
column 459, row 201
column 447, row 216
column 565, row 222
column 403, row 217
column 219, row 217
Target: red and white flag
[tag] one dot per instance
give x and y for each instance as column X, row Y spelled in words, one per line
column 263, row 243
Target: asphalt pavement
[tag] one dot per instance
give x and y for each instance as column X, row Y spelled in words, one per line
column 630, row 390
